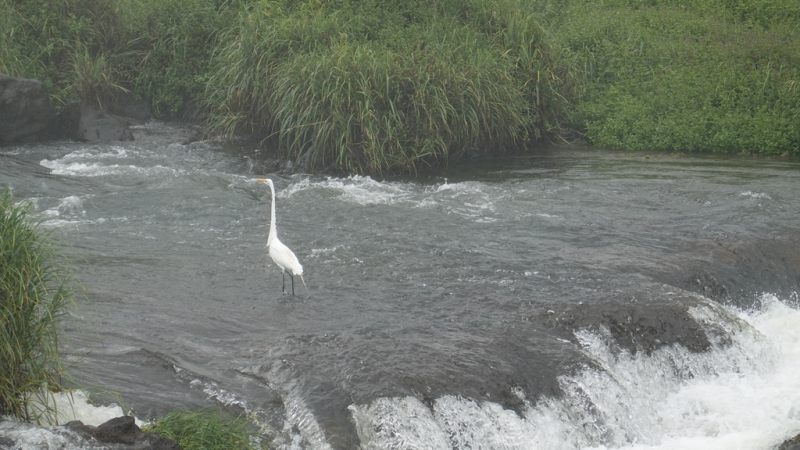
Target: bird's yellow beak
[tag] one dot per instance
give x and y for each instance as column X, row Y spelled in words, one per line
column 263, row 180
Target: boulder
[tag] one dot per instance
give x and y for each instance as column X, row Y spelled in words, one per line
column 83, row 122
column 26, row 112
column 28, row 115
column 124, row 432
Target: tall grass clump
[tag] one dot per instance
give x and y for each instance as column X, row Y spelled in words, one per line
column 704, row 75
column 40, row 38
column 95, row 50
column 367, row 108
column 377, row 86
column 35, row 291
column 208, row 430
column 97, row 80
column 546, row 69
column 14, row 60
column 168, row 50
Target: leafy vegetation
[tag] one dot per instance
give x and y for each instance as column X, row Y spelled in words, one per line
column 207, row 430
column 380, row 86
column 34, row 294
column 703, row 75
column 374, row 86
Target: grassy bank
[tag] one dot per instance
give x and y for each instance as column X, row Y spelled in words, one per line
column 701, row 75
column 35, row 291
column 377, row 86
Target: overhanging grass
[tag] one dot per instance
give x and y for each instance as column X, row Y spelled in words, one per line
column 34, row 295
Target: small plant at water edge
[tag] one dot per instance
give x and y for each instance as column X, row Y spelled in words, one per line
column 207, row 430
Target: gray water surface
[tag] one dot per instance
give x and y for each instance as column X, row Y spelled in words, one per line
column 473, row 284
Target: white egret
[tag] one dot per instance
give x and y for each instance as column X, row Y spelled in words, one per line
column 280, row 253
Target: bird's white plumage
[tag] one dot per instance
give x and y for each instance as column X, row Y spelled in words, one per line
column 280, row 253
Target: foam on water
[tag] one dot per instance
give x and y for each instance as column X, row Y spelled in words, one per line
column 69, row 406
column 741, row 395
column 59, row 167
column 356, row 189
column 74, row 405
column 474, row 200
column 70, row 211
column 91, row 153
column 752, row 194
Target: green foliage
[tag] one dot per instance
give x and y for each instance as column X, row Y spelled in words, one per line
column 379, row 86
column 96, row 79
column 169, row 48
column 207, row 430
column 694, row 76
column 34, row 294
column 43, row 36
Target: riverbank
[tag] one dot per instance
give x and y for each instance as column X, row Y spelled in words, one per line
column 379, row 87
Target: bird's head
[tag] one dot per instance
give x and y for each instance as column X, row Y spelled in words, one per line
column 264, row 180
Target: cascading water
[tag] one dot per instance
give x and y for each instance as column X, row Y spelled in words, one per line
column 572, row 299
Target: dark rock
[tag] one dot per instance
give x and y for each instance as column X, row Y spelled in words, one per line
column 123, row 430
column 791, row 444
column 6, row 442
column 127, row 105
column 96, row 125
column 26, row 113
column 82, row 122
column 67, row 121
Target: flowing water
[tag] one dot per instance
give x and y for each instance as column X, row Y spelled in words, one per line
column 570, row 299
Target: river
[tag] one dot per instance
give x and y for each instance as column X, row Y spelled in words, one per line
column 571, row 298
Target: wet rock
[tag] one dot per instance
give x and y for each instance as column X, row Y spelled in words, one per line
column 791, row 444
column 123, row 430
column 737, row 271
column 82, row 122
column 644, row 321
column 26, row 113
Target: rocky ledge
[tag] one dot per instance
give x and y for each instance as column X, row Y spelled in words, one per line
column 28, row 115
column 791, row 444
column 120, row 433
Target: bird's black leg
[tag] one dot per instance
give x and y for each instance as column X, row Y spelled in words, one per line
column 292, row 277
column 283, row 278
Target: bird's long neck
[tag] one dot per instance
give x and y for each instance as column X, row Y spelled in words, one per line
column 273, row 233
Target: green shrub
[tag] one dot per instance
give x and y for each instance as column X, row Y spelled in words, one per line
column 688, row 76
column 34, row 295
column 207, row 430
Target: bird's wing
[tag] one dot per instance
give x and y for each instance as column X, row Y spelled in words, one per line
column 285, row 258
